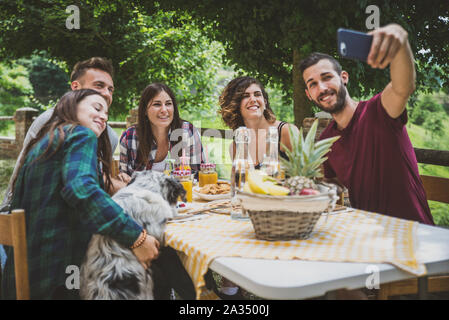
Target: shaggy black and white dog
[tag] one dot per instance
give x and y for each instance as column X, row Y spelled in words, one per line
column 111, row 271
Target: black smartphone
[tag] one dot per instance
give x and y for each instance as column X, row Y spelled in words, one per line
column 353, row 44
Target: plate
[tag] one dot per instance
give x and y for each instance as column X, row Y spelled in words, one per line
column 210, row 197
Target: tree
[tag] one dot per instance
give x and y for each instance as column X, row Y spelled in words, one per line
column 15, row 89
column 48, row 79
column 144, row 48
column 268, row 38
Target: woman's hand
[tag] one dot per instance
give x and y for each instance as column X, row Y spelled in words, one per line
column 124, row 177
column 147, row 252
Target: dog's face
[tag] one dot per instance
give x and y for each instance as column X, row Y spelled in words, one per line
column 168, row 187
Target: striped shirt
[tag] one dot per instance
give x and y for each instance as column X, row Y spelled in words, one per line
column 129, row 143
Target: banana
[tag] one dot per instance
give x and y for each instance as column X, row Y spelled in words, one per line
column 256, row 183
column 263, row 184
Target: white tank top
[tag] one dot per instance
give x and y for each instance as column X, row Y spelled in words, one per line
column 159, row 166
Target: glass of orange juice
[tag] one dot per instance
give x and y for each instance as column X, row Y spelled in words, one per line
column 186, row 179
column 207, row 174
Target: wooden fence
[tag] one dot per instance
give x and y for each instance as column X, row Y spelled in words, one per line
column 11, row 146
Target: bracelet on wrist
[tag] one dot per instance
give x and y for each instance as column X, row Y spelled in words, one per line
column 140, row 240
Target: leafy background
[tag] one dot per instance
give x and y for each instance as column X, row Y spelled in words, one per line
column 197, row 47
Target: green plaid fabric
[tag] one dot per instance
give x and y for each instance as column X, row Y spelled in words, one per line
column 64, row 205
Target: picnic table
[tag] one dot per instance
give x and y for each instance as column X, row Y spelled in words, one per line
column 350, row 249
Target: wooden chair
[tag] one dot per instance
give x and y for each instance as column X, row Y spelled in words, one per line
column 12, row 233
column 437, row 189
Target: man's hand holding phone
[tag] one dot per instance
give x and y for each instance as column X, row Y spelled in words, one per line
column 377, row 48
column 386, row 46
column 387, row 41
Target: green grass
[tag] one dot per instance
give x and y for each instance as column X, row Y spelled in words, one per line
column 422, row 139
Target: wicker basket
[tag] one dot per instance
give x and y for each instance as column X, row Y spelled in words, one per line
column 286, row 217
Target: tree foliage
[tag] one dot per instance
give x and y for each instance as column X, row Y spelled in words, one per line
column 261, row 36
column 48, row 79
column 144, row 46
column 151, row 40
column 15, row 89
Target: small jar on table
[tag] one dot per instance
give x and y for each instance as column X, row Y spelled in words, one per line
column 207, row 174
column 186, row 179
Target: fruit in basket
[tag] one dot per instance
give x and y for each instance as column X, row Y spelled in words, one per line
column 308, row 192
column 303, row 167
column 276, row 190
column 268, row 178
column 263, row 184
column 256, row 182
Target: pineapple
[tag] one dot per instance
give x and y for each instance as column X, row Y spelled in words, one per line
column 303, row 167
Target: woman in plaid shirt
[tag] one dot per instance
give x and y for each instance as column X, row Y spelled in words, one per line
column 60, row 186
column 158, row 131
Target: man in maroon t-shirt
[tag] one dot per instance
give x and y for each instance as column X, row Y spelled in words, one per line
column 374, row 157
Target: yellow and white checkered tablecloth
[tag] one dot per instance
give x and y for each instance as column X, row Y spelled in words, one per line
column 356, row 236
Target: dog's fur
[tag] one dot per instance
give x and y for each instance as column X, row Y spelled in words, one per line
column 112, row 271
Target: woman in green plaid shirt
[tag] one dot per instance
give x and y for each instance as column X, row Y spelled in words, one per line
column 60, row 186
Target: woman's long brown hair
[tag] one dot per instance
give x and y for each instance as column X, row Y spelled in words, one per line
column 144, row 133
column 65, row 113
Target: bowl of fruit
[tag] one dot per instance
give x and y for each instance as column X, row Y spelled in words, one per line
column 289, row 209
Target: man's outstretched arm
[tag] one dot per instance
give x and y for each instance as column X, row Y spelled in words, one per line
column 390, row 46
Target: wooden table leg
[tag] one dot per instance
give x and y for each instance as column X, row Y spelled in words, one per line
column 422, row 288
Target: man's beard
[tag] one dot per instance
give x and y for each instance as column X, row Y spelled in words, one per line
column 338, row 105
